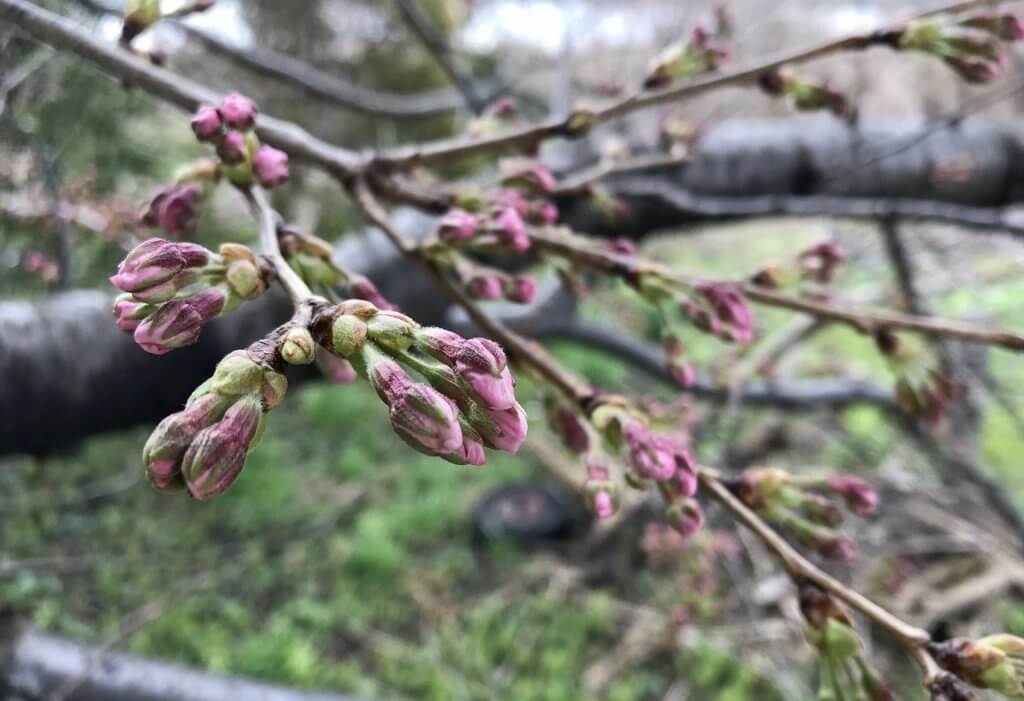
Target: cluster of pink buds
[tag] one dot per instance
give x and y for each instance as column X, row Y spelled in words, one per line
column 995, row 662
column 468, row 402
column 203, row 447
column 923, row 390
column 816, row 264
column 805, row 96
column 140, row 15
column 488, row 284
column 973, row 46
column 700, row 53
column 722, row 310
column 648, row 457
column 802, row 505
column 171, row 289
column 243, row 160
column 844, row 671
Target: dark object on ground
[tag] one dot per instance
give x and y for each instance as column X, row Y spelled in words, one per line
column 528, row 512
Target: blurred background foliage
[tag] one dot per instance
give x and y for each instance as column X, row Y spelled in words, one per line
column 343, row 561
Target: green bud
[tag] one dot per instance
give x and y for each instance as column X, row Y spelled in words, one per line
column 273, row 389
column 245, row 280
column 348, row 334
column 298, row 347
column 392, row 330
column 839, row 640
column 237, row 374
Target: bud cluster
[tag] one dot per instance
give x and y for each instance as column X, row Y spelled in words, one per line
column 243, row 160
column 923, row 389
column 804, row 95
column 468, row 400
column 844, row 671
column 171, row 289
column 817, row 264
column 648, row 456
column 699, row 53
column 994, row 662
column 808, row 507
column 203, row 447
column 973, row 46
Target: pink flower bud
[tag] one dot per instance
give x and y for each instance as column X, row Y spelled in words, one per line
column 821, row 260
column 363, row 288
column 178, row 322
column 514, row 200
column 860, row 497
column 457, row 225
column 388, row 378
column 206, row 123
column 650, row 455
column 570, row 429
column 521, row 289
column 534, row 178
column 503, row 429
column 129, row 313
column 155, row 262
column 442, row 344
column 484, row 286
column 686, row 517
column 270, row 166
column 471, row 453
column 511, row 231
column 542, row 213
column 427, row 420
column 730, row 308
column 175, row 209
column 167, row 444
column 338, row 370
column 238, row 112
column 233, row 148
column 482, row 366
column 217, row 454
column 601, row 492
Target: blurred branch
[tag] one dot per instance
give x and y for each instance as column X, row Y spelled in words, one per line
column 314, row 82
column 420, row 25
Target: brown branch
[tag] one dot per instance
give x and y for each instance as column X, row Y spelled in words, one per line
column 581, row 180
column 444, row 150
column 268, row 219
column 868, row 322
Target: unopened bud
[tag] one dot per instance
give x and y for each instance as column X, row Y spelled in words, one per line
column 245, row 279
column 348, row 334
column 238, row 111
column 521, row 289
column 458, row 225
column 217, row 454
column 273, row 388
column 270, row 166
column 298, row 347
column 391, row 329
column 685, row 516
column 206, row 124
column 236, row 374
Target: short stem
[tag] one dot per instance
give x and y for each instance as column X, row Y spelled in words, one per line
column 296, row 287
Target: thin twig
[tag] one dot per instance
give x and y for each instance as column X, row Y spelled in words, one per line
column 586, row 177
column 293, row 284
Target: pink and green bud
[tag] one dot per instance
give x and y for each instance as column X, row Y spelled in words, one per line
column 179, row 322
column 175, row 209
column 298, row 347
column 129, row 313
column 457, row 225
column 860, row 497
column 733, row 320
column 233, row 149
column 217, row 454
column 485, row 286
column 245, row 279
column 442, row 344
column 685, row 517
column 392, row 330
column 167, row 444
column 273, row 388
column 386, row 376
column 521, row 289
column 993, row 662
column 482, row 365
column 508, row 226
column 155, row 262
column 270, row 166
column 427, row 420
column 602, row 494
column 237, row 374
column 648, row 454
column 337, row 370
column 207, row 124
column 348, row 335
column 535, row 179
column 542, row 213
column 238, row 112
column 472, row 451
column 820, row 261
column 503, row 429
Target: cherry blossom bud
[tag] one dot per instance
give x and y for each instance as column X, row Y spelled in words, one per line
column 678, row 365
column 178, row 322
column 392, row 330
column 510, row 230
column 155, row 262
column 472, row 451
column 386, row 376
column 731, row 311
column 348, row 334
column 685, row 516
column 273, row 388
column 238, row 112
column 442, row 344
column 270, row 166
column 860, row 496
column 206, row 124
column 233, row 149
column 1007, row 27
column 821, row 260
column 992, row 662
column 427, row 420
column 602, row 494
column 542, row 213
column 482, row 365
column 297, row 347
column 534, row 178
column 650, row 455
column 217, row 454
column 569, row 427
column 947, row 687
column 514, row 200
column 236, row 374
column 503, row 429
column 168, row 442
column 484, row 286
column 245, row 279
column 521, row 289
column 175, row 209
column 129, row 313
column 336, row 370
column 457, row 225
